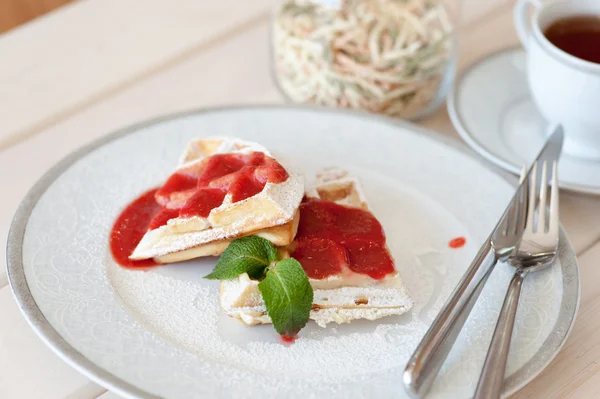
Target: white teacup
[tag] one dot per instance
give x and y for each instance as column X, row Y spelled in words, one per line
column 566, row 89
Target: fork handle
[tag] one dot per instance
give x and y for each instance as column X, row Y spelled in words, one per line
column 429, row 356
column 491, row 380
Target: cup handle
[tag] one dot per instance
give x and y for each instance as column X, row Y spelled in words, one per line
column 522, row 20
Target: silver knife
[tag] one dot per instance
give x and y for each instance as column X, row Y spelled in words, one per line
column 426, row 361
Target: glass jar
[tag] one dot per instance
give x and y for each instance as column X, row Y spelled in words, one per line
column 394, row 57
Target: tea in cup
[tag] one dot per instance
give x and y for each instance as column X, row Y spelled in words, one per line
column 562, row 41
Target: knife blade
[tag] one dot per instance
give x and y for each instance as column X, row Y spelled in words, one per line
column 430, row 354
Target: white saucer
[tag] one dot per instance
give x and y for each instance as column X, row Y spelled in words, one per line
column 492, row 110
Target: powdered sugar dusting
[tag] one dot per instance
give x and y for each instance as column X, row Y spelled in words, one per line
column 194, row 151
column 187, row 313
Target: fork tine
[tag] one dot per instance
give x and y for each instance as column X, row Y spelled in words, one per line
column 543, row 199
column 509, row 222
column 532, row 198
column 553, row 228
column 512, row 222
column 521, row 203
column 523, row 174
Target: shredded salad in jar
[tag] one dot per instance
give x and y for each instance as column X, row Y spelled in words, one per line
column 383, row 56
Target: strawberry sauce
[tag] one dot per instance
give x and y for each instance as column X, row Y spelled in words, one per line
column 289, row 339
column 201, row 187
column 130, row 227
column 457, row 242
column 320, row 257
column 333, row 237
column 194, row 190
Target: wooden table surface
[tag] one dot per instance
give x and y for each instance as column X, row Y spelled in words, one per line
column 97, row 65
column 16, row 12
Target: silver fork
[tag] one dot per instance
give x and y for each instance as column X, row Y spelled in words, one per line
column 536, row 250
column 422, row 368
column 428, row 357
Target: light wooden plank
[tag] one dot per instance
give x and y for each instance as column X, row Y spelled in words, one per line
column 575, row 372
column 99, row 50
column 110, row 395
column 80, row 53
column 16, row 12
column 88, row 391
column 28, row 368
column 474, row 10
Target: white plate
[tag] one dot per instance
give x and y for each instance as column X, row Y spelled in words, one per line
column 492, row 110
column 161, row 333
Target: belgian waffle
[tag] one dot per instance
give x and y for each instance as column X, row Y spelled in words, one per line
column 340, row 298
column 270, row 213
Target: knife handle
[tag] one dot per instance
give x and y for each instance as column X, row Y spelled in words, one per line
column 426, row 361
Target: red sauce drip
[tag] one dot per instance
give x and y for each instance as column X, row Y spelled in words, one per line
column 220, row 165
column 162, row 217
column 197, row 190
column 177, row 182
column 327, row 219
column 357, row 224
column 202, row 202
column 315, row 220
column 332, row 237
column 369, row 258
column 245, row 186
column 320, row 257
column 288, row 339
column 457, row 242
column 130, row 227
column 271, row 170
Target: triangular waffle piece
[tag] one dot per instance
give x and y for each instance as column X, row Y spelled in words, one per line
column 223, row 189
column 342, row 248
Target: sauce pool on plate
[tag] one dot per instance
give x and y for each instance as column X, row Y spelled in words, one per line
column 130, row 227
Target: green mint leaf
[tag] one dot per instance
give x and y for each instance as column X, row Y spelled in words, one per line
column 288, row 296
column 250, row 255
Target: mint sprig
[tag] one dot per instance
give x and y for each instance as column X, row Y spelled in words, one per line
column 283, row 284
column 288, row 296
column 250, row 255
